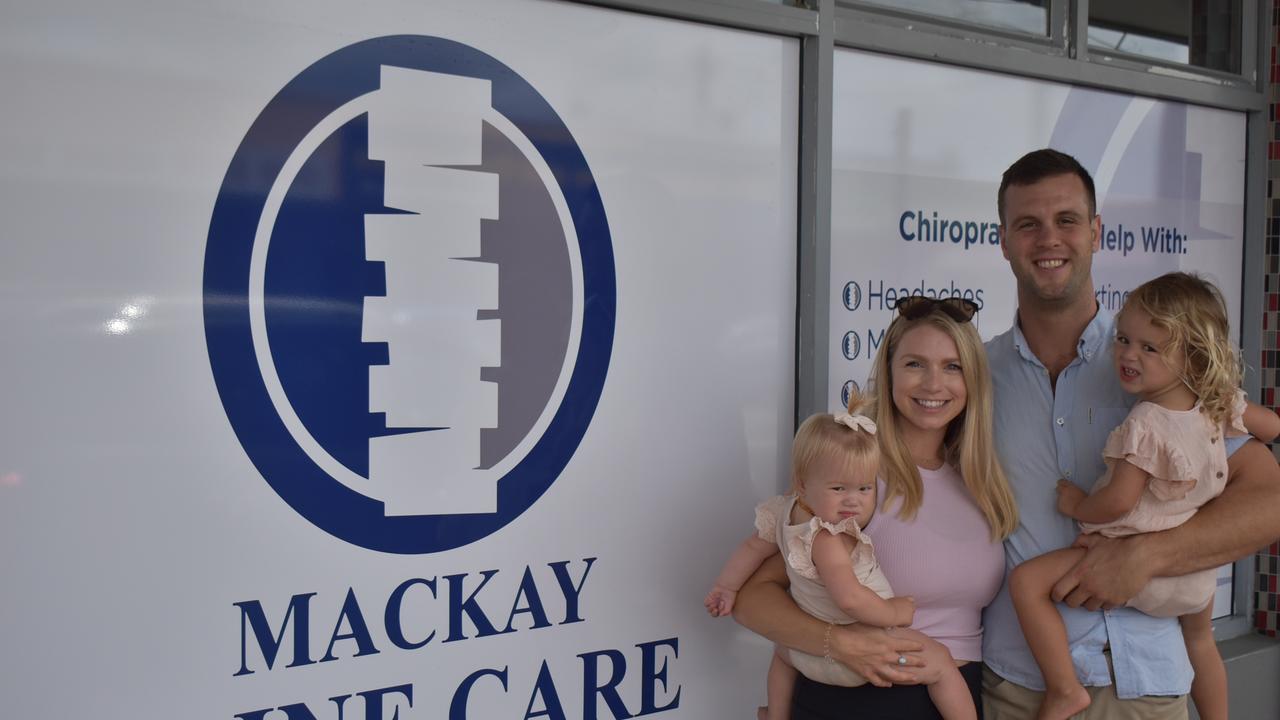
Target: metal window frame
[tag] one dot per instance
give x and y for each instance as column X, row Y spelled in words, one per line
column 1062, row 55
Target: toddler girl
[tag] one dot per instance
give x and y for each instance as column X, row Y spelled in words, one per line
column 830, row 562
column 1172, row 350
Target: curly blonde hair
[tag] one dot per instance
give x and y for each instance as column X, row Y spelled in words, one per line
column 1192, row 311
column 820, row 436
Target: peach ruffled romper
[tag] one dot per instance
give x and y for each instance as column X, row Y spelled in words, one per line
column 1183, row 453
column 795, row 542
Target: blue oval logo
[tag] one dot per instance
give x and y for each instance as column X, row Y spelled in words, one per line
column 409, row 294
column 851, row 345
column 852, row 295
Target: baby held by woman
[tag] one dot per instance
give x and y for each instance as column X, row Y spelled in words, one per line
column 831, row 563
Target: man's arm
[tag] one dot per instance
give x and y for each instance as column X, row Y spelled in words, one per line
column 764, row 607
column 1245, row 517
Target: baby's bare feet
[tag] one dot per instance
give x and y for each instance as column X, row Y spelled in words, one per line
column 1061, row 704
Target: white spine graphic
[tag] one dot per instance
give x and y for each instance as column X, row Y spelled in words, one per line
column 418, row 122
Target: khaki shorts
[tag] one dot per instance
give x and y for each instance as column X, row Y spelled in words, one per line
column 1003, row 700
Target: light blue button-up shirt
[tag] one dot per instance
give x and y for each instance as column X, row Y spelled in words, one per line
column 1042, row 436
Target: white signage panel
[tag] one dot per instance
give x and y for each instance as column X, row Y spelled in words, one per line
column 388, row 361
column 918, row 152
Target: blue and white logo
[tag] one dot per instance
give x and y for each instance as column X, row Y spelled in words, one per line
column 409, row 294
column 851, row 345
column 847, row 390
column 852, row 295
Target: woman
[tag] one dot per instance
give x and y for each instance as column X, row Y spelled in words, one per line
column 945, row 508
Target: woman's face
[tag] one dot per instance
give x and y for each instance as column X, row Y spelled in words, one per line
column 928, row 382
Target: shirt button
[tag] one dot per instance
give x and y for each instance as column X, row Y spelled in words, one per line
column 1213, row 440
column 1219, row 473
column 1061, row 422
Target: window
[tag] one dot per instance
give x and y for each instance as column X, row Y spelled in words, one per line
column 1201, row 33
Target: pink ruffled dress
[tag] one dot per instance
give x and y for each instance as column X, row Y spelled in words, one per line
column 1183, row 453
column 795, row 542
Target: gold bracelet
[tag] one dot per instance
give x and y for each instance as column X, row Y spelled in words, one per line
column 826, row 643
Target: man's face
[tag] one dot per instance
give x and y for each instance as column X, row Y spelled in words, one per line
column 1049, row 239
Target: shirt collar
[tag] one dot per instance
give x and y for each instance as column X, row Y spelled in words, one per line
column 1093, row 341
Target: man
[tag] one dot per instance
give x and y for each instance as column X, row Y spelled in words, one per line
column 1057, row 398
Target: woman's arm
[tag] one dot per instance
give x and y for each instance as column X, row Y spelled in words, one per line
column 744, row 561
column 765, row 608
column 831, row 558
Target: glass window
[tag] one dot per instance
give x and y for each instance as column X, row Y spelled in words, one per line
column 1202, row 33
column 1026, row 16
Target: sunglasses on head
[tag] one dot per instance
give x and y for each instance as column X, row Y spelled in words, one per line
column 913, row 307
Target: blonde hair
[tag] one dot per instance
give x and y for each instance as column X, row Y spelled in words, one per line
column 821, row 436
column 1194, row 314
column 968, row 445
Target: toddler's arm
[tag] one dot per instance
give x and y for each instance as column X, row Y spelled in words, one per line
column 1108, row 503
column 750, row 554
column 1261, row 422
column 831, row 558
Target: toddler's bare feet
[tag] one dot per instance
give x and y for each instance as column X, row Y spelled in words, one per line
column 1062, row 703
column 762, row 713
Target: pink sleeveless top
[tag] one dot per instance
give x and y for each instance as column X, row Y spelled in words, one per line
column 944, row 558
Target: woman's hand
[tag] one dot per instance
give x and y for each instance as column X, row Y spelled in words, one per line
column 874, row 652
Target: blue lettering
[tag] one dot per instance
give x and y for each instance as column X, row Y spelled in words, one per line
column 252, row 615
column 295, row 711
column 533, row 604
column 392, row 618
column 458, row 706
column 1149, row 239
column 359, row 629
column 571, row 591
column 873, row 296
column 373, row 708
column 551, row 707
column 651, row 675
column 609, row 691
column 873, row 341
column 469, row 607
column 902, row 225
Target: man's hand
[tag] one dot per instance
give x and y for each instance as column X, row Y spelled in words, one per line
column 1069, row 496
column 873, row 653
column 1111, row 572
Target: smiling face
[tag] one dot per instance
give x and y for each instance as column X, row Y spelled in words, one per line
column 834, row 493
column 1141, row 364
column 1049, row 236
column 928, row 382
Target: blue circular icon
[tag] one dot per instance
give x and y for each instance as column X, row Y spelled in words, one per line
column 409, row 294
column 851, row 345
column 852, row 295
column 847, row 390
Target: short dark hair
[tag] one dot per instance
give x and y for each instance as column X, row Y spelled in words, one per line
column 1040, row 164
